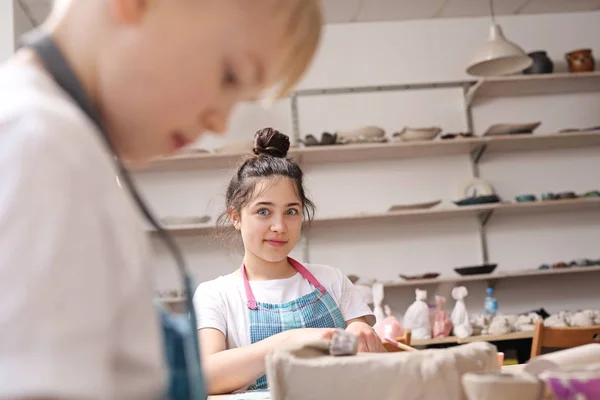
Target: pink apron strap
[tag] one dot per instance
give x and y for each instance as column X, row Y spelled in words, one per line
column 305, row 273
column 249, row 295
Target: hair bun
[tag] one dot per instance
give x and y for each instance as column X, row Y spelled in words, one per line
column 271, row 142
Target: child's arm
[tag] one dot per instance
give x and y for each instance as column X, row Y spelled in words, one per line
column 229, row 370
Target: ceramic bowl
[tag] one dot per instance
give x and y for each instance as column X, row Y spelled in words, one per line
column 415, row 206
column 523, row 198
column 416, row 134
column 476, row 269
column 566, row 195
column 470, row 201
column 428, row 275
column 365, row 131
column 511, row 128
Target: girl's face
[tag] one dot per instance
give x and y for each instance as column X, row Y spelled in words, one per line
column 173, row 69
column 271, row 223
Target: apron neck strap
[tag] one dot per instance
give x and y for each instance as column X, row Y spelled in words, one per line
column 58, row 66
column 301, row 269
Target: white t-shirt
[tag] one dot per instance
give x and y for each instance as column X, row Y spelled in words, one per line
column 222, row 303
column 76, row 300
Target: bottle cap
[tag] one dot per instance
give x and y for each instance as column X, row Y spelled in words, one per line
column 489, row 290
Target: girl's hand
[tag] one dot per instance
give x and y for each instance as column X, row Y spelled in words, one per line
column 369, row 341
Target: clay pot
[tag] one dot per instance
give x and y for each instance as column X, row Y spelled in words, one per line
column 581, row 61
column 542, row 64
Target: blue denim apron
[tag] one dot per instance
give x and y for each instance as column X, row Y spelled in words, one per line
column 314, row 310
column 179, row 331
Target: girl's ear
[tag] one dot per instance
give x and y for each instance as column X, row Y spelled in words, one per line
column 234, row 217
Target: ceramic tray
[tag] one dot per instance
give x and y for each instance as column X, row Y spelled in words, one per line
column 476, row 269
column 470, row 201
column 511, row 129
column 415, row 206
column 428, row 275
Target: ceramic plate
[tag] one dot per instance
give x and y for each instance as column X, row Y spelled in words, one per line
column 511, row 129
column 428, row 275
column 476, row 269
column 415, row 206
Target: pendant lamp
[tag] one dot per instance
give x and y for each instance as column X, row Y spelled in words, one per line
column 498, row 56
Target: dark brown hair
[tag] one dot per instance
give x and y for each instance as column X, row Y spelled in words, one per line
column 269, row 159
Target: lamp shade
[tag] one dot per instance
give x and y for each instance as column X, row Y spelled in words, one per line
column 498, row 56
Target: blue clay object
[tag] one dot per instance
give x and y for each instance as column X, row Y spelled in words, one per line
column 525, row 198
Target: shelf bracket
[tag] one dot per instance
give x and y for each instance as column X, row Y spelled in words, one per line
column 478, row 152
column 295, row 119
column 485, row 216
column 472, row 92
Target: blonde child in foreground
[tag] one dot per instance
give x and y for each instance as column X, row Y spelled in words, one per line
column 76, row 299
column 272, row 299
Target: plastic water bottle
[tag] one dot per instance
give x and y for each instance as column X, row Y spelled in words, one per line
column 490, row 304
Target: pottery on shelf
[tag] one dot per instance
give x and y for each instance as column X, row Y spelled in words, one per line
column 512, row 128
column 457, row 135
column 327, row 139
column 428, row 275
column 566, row 195
column 365, row 134
column 548, row 196
column 415, row 206
column 365, row 131
column 542, row 64
column 523, row 198
column 581, row 61
column 415, row 134
column 476, row 269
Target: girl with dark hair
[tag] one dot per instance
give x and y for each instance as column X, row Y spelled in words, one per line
column 271, row 299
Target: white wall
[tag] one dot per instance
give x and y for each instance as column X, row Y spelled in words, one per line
column 7, row 31
column 422, row 51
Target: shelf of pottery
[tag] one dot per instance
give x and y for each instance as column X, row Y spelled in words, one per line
column 477, row 197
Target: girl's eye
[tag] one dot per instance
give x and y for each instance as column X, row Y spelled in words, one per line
column 263, row 212
column 229, row 77
column 292, row 211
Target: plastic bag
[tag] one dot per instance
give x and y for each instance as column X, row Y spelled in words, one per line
column 417, row 317
column 390, row 327
column 441, row 324
column 377, row 302
column 460, row 316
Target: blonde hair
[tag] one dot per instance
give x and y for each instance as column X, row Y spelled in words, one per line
column 304, row 21
column 304, row 26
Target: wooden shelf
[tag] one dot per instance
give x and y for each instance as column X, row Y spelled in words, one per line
column 482, row 338
column 436, row 214
column 581, row 204
column 527, row 85
column 529, row 142
column 383, row 151
column 493, row 277
column 393, row 150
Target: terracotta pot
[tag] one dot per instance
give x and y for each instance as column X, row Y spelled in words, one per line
column 581, row 61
